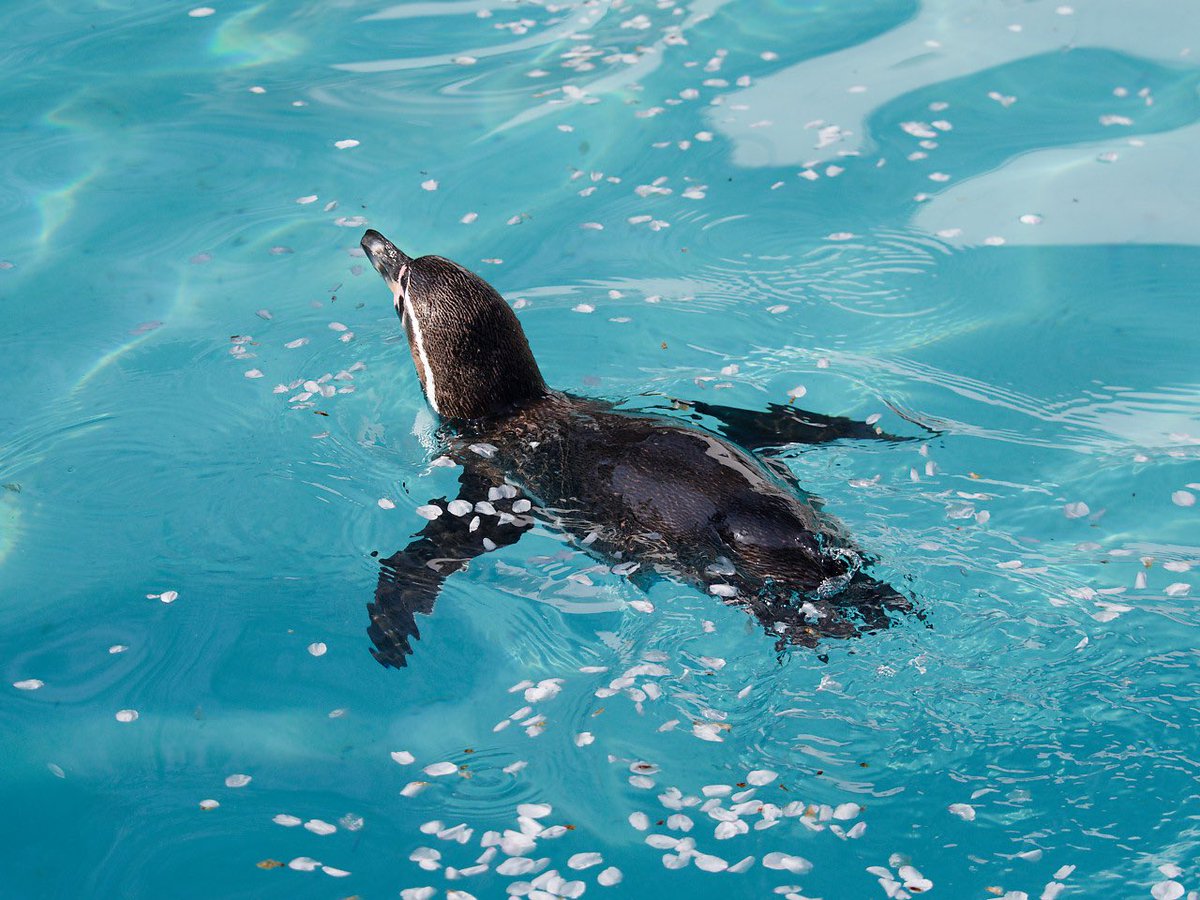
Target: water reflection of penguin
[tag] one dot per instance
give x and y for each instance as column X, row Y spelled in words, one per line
column 651, row 494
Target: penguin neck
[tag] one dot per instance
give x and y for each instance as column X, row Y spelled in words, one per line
column 492, row 381
column 483, row 417
column 453, row 408
column 472, row 358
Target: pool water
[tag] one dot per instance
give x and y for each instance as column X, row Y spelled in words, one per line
column 979, row 216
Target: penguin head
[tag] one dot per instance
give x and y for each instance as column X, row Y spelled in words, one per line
column 469, row 350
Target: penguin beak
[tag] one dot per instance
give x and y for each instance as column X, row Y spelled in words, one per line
column 386, row 257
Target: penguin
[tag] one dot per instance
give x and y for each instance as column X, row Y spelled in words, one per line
column 695, row 493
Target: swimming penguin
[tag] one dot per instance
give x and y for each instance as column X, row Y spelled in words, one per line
column 651, row 494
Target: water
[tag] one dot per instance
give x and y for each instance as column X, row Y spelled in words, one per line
column 980, row 214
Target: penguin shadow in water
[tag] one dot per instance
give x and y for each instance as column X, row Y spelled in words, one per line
column 701, row 498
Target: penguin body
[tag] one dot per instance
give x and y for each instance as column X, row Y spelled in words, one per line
column 651, row 494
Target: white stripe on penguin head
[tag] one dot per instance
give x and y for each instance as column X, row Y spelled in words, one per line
column 408, row 316
column 397, row 291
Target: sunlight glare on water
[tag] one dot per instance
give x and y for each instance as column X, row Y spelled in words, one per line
column 978, row 216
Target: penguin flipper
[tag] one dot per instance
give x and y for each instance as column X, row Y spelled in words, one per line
column 410, row 579
column 781, row 425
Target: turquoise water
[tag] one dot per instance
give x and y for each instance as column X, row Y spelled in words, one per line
column 981, row 214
